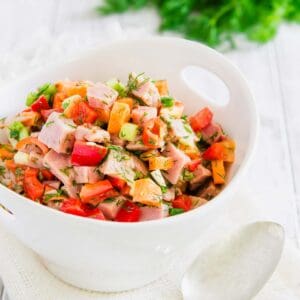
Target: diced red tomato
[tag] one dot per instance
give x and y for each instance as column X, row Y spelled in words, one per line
column 117, row 183
column 201, row 119
column 183, row 201
column 33, row 188
column 192, row 166
column 96, row 213
column 129, row 212
column 214, row 152
column 153, row 133
column 40, row 104
column 47, row 175
column 47, row 112
column 85, row 154
column 82, row 113
column 94, row 193
column 74, row 207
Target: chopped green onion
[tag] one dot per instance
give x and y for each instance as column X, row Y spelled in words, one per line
column 18, row 131
column 118, row 86
column 175, row 211
column 47, row 89
column 167, row 101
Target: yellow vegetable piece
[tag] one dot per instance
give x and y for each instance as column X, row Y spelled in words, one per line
column 148, row 154
column 103, row 115
column 229, row 147
column 119, row 115
column 192, row 152
column 147, row 192
column 218, row 171
column 162, row 87
column 160, row 163
column 126, row 100
column 72, row 88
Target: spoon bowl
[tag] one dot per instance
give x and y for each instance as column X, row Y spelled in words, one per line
column 238, row 266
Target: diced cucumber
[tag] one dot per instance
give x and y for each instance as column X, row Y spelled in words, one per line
column 128, row 132
column 158, row 177
column 23, row 133
column 118, row 86
column 18, row 131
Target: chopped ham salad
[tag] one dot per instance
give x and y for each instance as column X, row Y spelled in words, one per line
column 113, row 151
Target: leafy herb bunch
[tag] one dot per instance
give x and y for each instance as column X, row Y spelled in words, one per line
column 216, row 21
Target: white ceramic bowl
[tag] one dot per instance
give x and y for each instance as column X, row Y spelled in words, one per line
column 111, row 256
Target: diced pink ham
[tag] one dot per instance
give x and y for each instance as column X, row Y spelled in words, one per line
column 122, row 164
column 212, row 133
column 111, row 208
column 169, row 195
column 137, row 145
column 198, row 201
column 209, row 192
column 36, row 160
column 52, row 183
column 60, row 166
column 115, row 140
column 142, row 114
column 85, row 174
column 58, row 133
column 153, row 213
column 200, row 175
column 180, row 159
column 101, row 96
column 148, row 92
column 92, row 134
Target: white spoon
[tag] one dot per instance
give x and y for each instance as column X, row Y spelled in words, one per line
column 238, row 266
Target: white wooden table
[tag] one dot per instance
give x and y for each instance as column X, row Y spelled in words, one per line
column 34, row 33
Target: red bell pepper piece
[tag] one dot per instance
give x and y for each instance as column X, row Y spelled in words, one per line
column 74, row 207
column 85, row 154
column 129, row 212
column 214, row 152
column 183, row 201
column 82, row 113
column 33, row 188
column 95, row 213
column 192, row 166
column 117, row 183
column 40, row 104
column 94, row 193
column 47, row 112
column 201, row 119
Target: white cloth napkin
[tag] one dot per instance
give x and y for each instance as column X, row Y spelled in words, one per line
column 25, row 278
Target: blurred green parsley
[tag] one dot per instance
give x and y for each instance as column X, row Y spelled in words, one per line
column 215, row 22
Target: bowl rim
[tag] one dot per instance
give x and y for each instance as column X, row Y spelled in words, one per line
column 181, row 218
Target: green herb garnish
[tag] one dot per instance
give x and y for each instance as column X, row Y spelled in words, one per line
column 216, row 22
column 2, row 171
column 167, row 101
column 187, row 175
column 18, row 131
column 175, row 211
column 48, row 90
column 66, row 170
